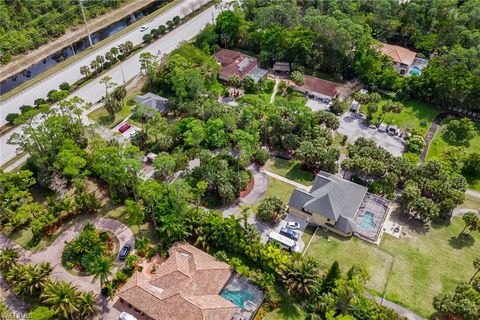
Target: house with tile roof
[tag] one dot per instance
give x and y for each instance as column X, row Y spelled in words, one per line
column 317, row 88
column 402, row 58
column 238, row 64
column 331, row 202
column 185, row 286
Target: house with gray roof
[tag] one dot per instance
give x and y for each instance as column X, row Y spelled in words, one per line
column 153, row 101
column 332, row 202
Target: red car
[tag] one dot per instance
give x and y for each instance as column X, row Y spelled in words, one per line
column 124, row 127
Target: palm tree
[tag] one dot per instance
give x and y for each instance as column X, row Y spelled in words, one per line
column 62, row 297
column 86, row 305
column 15, row 277
column 8, row 258
column 101, row 268
column 302, row 277
column 476, row 265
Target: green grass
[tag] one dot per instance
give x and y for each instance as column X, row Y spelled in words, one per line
column 101, row 116
column 424, row 264
column 415, row 115
column 439, row 144
column 289, row 169
column 118, row 212
column 288, row 310
column 308, row 233
column 326, row 248
column 279, row 188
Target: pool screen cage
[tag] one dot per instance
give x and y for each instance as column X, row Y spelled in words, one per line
column 377, row 206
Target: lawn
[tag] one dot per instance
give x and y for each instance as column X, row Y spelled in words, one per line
column 327, row 247
column 423, row 265
column 289, row 169
column 470, row 202
column 415, row 115
column 288, row 310
column 101, row 116
column 118, row 212
column 439, row 144
column 279, row 188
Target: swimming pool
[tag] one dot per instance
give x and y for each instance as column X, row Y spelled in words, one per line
column 367, row 222
column 238, row 297
column 416, row 71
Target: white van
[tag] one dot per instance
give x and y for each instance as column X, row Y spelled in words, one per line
column 126, row 316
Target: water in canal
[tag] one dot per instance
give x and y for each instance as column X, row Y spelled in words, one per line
column 52, row 60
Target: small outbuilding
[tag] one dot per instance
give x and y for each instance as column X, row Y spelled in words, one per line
column 355, row 106
column 281, row 68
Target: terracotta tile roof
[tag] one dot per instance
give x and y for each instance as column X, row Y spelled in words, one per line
column 317, row 85
column 185, row 286
column 235, row 63
column 398, row 54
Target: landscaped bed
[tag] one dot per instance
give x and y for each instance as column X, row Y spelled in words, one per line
column 424, row 264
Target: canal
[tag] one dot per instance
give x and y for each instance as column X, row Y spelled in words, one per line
column 79, row 46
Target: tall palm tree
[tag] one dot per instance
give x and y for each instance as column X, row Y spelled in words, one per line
column 101, row 268
column 8, row 258
column 62, row 297
column 476, row 265
column 302, row 277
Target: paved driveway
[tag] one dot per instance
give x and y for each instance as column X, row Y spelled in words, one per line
column 353, row 127
column 53, row 253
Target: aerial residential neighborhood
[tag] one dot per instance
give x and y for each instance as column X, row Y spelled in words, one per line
column 240, row 160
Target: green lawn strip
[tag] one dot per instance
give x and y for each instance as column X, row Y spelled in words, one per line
column 279, row 188
column 88, row 51
column 289, row 169
column 415, row 115
column 101, row 116
column 119, row 213
column 288, row 310
column 439, row 144
column 327, row 247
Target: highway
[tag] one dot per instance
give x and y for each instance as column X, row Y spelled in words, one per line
column 71, row 73
column 93, row 91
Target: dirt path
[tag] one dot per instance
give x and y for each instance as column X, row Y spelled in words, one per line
column 53, row 253
column 23, row 61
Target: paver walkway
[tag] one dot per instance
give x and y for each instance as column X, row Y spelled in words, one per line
column 53, row 253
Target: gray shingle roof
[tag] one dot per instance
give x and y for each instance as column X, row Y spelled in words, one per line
column 153, row 101
column 331, row 197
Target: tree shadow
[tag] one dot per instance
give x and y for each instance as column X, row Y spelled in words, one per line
column 461, row 241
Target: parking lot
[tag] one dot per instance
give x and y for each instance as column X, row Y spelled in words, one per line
column 353, row 127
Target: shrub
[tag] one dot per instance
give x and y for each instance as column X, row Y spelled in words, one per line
column 11, row 117
column 271, row 209
column 460, row 130
column 170, row 24
column 41, row 313
column 162, row 29
column 155, row 33
column 147, row 38
column 297, row 77
column 64, row 86
column 415, row 144
column 39, row 101
column 176, row 20
column 471, row 165
column 261, row 156
column 25, row 108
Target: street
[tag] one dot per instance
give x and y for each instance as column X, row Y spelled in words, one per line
column 71, row 73
column 92, row 92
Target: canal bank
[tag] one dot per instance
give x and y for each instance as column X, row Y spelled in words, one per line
column 25, row 69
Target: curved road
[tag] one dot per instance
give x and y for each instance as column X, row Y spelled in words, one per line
column 128, row 69
column 53, row 253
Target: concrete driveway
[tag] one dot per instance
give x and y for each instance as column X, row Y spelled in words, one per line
column 53, row 253
column 353, row 128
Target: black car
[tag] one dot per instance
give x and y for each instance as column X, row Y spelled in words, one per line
column 290, row 233
column 125, row 251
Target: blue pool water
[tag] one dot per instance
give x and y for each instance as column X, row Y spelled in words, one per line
column 238, row 297
column 367, row 222
column 416, row 71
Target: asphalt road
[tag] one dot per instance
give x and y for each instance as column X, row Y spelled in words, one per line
column 71, row 73
column 93, row 91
